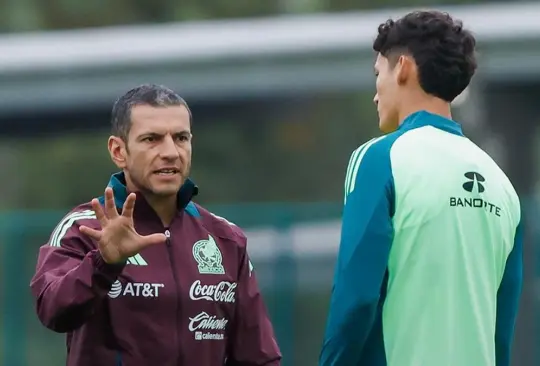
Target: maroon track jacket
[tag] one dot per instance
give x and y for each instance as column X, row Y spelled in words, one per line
column 193, row 301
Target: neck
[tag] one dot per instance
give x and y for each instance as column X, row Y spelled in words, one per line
column 429, row 104
column 165, row 207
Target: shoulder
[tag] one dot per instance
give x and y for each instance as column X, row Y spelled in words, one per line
column 68, row 225
column 507, row 195
column 220, row 226
column 370, row 162
column 80, row 215
column 374, row 150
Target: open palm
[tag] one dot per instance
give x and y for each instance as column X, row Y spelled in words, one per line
column 118, row 240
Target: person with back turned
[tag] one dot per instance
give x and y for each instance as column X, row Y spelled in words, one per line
column 429, row 269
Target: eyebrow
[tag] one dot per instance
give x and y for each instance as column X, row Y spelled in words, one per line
column 157, row 134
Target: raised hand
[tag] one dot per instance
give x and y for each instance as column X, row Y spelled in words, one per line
column 117, row 239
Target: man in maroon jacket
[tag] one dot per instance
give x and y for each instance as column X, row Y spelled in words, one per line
column 144, row 276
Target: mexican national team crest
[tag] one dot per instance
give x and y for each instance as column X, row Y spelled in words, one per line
column 208, row 256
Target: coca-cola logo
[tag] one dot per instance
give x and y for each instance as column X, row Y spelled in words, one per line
column 222, row 292
column 205, row 321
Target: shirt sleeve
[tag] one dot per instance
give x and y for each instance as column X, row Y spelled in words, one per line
column 70, row 275
column 253, row 341
column 366, row 239
column 508, row 300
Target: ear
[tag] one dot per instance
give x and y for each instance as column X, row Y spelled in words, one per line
column 118, row 151
column 404, row 69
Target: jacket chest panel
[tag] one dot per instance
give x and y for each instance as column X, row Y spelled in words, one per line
column 206, row 268
column 188, row 284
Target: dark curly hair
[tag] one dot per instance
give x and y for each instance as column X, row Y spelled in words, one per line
column 444, row 52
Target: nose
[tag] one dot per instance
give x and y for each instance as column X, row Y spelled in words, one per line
column 169, row 150
column 376, row 99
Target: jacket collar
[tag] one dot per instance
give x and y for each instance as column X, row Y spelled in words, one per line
column 118, row 183
column 424, row 118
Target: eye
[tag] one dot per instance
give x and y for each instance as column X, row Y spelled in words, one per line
column 183, row 138
column 149, row 139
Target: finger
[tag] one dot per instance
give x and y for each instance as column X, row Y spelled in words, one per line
column 150, row 240
column 129, row 205
column 100, row 215
column 94, row 234
column 110, row 207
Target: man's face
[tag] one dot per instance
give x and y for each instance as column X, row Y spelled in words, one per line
column 157, row 155
column 386, row 97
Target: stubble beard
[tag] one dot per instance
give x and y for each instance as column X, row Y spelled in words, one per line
column 146, row 189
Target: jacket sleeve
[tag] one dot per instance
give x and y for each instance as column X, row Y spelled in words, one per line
column 253, row 342
column 508, row 300
column 366, row 240
column 70, row 276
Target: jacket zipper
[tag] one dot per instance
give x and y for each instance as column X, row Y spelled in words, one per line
column 119, row 359
column 177, row 284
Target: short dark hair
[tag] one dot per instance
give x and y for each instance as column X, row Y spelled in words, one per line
column 443, row 50
column 146, row 94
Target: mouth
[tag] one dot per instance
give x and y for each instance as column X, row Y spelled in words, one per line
column 167, row 171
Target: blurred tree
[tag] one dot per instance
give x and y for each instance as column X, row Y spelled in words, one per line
column 25, row 15
column 296, row 152
column 344, row 5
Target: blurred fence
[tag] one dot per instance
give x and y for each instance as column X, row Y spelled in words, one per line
column 293, row 248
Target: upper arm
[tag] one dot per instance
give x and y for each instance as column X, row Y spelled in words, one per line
column 367, row 232
column 66, row 246
column 66, row 277
column 253, row 341
column 508, row 300
column 366, row 240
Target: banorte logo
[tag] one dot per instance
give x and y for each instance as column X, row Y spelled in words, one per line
column 475, row 186
column 222, row 292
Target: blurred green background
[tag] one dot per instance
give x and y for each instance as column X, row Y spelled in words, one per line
column 31, row 15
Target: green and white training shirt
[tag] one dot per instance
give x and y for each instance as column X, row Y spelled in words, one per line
column 429, row 269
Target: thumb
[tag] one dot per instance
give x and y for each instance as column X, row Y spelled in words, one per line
column 94, row 234
column 152, row 240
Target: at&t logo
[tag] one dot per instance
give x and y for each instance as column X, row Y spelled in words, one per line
column 139, row 289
